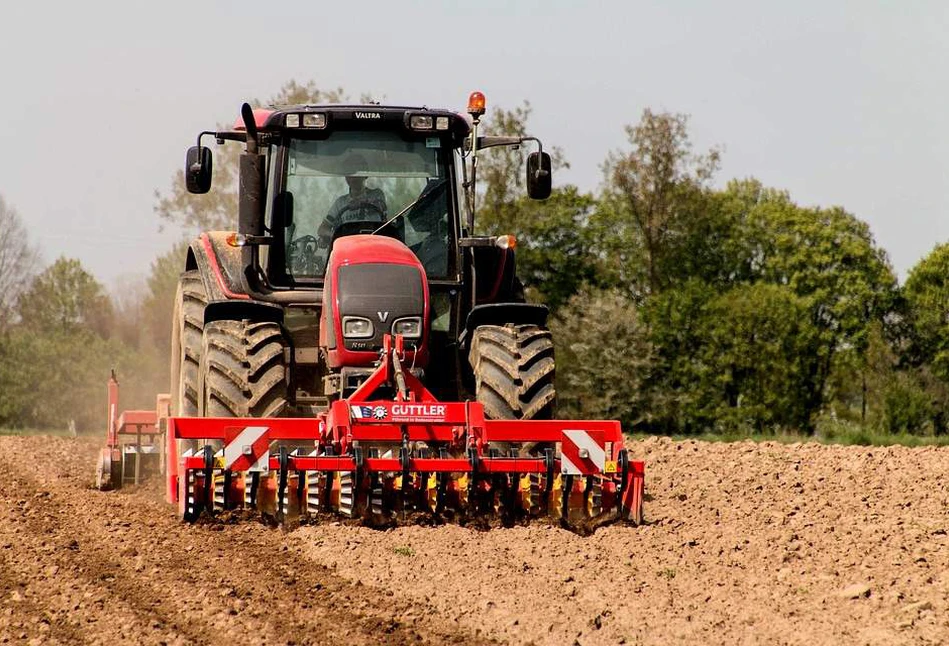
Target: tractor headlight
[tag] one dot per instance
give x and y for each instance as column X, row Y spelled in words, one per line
column 421, row 122
column 357, row 327
column 410, row 328
column 314, row 120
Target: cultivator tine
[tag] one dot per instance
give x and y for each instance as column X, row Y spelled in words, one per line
column 528, row 493
column 595, row 498
column 430, row 492
column 630, row 492
column 301, row 498
column 376, row 500
column 250, row 493
column 228, row 499
column 314, row 492
column 282, row 478
column 220, row 492
column 404, row 482
column 267, row 495
column 188, row 500
column 566, row 490
column 331, row 491
column 347, row 493
column 208, row 473
column 441, row 485
column 555, row 496
column 292, row 499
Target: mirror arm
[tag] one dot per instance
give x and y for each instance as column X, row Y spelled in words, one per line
column 490, row 141
column 196, row 166
column 540, row 172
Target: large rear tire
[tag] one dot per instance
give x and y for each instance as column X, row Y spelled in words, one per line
column 514, row 371
column 243, row 373
column 187, row 329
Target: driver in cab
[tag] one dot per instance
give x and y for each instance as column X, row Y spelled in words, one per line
column 361, row 204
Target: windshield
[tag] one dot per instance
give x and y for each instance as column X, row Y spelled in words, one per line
column 354, row 182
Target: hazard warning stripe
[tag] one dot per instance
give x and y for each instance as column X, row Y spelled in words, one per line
column 575, row 444
column 249, row 450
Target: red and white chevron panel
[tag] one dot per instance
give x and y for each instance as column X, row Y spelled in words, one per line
column 582, row 452
column 247, row 449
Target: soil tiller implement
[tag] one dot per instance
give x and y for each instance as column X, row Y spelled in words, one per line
column 410, row 456
column 134, row 448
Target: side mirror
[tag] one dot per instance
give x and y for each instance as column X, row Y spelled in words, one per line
column 538, row 176
column 198, row 169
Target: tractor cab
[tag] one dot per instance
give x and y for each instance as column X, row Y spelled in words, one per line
column 323, row 172
column 314, row 175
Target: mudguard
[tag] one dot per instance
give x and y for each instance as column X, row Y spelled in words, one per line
column 220, row 266
column 496, row 275
column 502, row 314
column 239, row 310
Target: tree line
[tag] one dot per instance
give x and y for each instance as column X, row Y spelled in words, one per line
column 677, row 306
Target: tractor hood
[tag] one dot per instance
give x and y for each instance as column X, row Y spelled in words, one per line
column 374, row 286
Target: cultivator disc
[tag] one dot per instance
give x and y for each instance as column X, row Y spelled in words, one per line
column 385, row 462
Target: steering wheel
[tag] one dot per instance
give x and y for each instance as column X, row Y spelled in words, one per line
column 302, row 256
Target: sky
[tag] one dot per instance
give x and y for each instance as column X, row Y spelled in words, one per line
column 839, row 103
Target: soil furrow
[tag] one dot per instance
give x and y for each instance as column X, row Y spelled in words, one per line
column 745, row 543
column 200, row 584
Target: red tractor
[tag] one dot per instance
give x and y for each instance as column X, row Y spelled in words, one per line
column 353, row 347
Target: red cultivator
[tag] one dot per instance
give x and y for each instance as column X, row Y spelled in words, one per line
column 132, row 451
column 379, row 459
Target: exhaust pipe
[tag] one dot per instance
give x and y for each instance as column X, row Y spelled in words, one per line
column 250, row 219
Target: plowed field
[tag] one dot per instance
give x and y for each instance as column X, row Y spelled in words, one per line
column 745, row 543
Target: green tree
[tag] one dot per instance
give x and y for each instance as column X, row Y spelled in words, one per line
column 758, row 348
column 676, row 320
column 66, row 298
column 827, row 256
column 55, row 361
column 653, row 194
column 927, row 296
column 18, row 261
column 555, row 249
column 49, row 377
column 604, row 358
column 735, row 361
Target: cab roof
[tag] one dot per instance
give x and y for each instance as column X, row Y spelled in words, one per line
column 356, row 117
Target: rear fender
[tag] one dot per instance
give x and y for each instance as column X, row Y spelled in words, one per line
column 503, row 314
column 220, row 265
column 495, row 275
column 240, row 310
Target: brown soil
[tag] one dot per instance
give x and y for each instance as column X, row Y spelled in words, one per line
column 745, row 543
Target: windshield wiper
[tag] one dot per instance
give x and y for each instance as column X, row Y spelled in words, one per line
column 426, row 193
